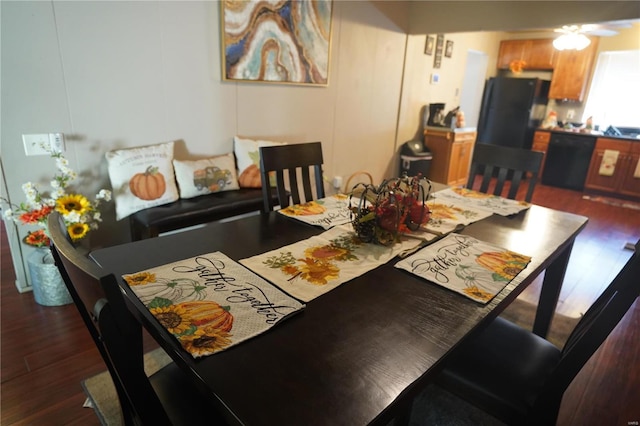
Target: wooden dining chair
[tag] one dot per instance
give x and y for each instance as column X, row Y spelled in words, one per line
column 285, row 162
column 519, row 377
column 164, row 398
column 512, row 164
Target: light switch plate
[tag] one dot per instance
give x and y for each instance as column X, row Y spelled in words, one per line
column 37, row 144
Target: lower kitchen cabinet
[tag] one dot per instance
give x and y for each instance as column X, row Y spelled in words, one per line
column 623, row 180
column 452, row 152
column 541, row 144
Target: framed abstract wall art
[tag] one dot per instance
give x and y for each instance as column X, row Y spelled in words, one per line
column 278, row 42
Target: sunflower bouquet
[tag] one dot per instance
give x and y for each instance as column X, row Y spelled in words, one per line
column 80, row 215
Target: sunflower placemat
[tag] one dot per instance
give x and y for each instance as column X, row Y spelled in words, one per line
column 210, row 303
column 325, row 212
column 449, row 215
column 312, row 267
column 474, row 199
column 468, row 266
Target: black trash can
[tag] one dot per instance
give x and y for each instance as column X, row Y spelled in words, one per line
column 415, row 159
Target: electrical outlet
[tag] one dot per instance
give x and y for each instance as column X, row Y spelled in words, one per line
column 37, row 144
column 56, row 141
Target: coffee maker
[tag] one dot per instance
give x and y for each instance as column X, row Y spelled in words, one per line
column 436, row 116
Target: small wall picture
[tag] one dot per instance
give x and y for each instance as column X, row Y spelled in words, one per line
column 448, row 50
column 437, row 58
column 428, row 47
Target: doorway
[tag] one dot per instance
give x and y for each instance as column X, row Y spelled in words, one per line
column 473, row 86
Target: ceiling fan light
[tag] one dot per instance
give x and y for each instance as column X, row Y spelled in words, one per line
column 571, row 41
column 582, row 41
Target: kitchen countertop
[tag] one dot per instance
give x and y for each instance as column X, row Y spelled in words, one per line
column 447, row 129
column 595, row 133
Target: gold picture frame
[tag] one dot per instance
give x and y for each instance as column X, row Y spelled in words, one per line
column 286, row 42
column 448, row 50
column 428, row 46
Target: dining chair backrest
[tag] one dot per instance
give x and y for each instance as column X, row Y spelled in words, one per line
column 513, row 164
column 115, row 332
column 285, row 162
column 593, row 329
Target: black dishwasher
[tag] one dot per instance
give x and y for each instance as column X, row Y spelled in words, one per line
column 568, row 158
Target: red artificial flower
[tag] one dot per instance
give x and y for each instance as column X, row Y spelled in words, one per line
column 37, row 238
column 35, row 216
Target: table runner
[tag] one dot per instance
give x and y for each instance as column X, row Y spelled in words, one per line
column 210, row 303
column 450, row 215
column 312, row 267
column 325, row 212
column 479, row 200
column 473, row 268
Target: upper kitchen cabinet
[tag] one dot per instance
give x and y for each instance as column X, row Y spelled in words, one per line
column 572, row 71
column 538, row 54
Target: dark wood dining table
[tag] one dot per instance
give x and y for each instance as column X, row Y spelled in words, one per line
column 360, row 353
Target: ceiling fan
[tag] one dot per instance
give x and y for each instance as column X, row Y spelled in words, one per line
column 574, row 37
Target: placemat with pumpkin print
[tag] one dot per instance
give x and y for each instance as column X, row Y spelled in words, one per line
column 473, row 268
column 449, row 215
column 211, row 303
column 474, row 199
column 312, row 267
column 325, row 212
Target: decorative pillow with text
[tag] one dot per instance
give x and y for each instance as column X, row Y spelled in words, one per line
column 205, row 176
column 142, row 178
column 248, row 160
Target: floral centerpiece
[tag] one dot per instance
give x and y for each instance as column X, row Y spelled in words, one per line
column 397, row 206
column 80, row 215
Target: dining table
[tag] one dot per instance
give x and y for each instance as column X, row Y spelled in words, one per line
column 360, row 353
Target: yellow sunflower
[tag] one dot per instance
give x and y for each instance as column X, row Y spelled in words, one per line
column 141, row 278
column 77, row 231
column 174, row 318
column 442, row 211
column 73, row 203
column 477, row 293
column 199, row 344
column 508, row 270
column 318, row 272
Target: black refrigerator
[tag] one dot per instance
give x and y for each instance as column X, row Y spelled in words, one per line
column 511, row 110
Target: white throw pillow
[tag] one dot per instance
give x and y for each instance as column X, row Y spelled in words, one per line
column 248, row 160
column 142, row 177
column 205, row 176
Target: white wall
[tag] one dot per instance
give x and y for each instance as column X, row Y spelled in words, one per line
column 123, row 74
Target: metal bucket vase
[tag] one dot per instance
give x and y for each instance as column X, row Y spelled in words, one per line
column 49, row 288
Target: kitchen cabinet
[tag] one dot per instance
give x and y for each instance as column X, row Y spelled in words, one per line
column 538, row 54
column 452, row 152
column 541, row 143
column 572, row 71
column 622, row 181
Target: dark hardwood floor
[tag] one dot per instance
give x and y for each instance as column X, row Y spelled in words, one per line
column 46, row 351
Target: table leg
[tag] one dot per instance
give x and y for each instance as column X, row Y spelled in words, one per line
column 550, row 292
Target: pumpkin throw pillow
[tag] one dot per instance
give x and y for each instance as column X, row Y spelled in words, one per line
column 205, row 176
column 142, row 178
column 248, row 160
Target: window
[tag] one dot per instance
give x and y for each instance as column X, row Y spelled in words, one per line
column 615, row 90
